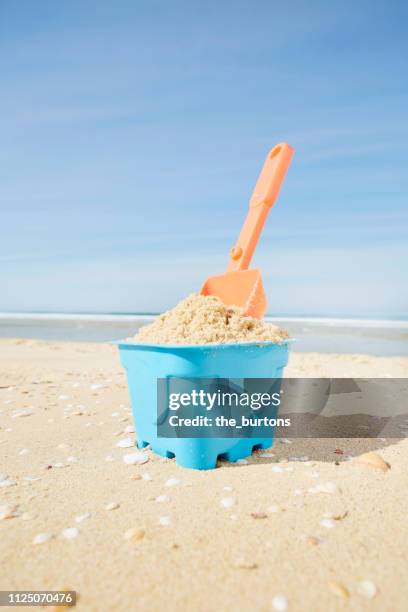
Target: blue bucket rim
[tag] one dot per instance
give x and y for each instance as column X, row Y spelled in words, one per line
column 123, row 344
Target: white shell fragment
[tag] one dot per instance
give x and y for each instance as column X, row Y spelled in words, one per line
column 274, row 509
column 172, row 482
column 228, row 502
column 162, row 498
column 82, row 517
column 367, row 588
column 112, row 506
column 280, row 603
column 164, row 520
column 135, row 458
column 22, row 413
column 41, row 538
column 125, row 443
column 7, row 483
column 70, row 533
column 327, row 523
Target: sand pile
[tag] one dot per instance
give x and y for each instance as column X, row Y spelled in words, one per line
column 207, row 320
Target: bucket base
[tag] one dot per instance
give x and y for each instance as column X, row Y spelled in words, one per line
column 205, row 456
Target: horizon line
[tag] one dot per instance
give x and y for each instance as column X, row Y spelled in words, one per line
column 106, row 317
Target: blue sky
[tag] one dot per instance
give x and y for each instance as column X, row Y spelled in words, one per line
column 132, row 134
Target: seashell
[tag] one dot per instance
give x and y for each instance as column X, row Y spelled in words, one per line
column 327, row 523
column 135, row 458
column 134, row 534
column 367, row 588
column 274, row 509
column 372, row 460
column 338, row 589
column 161, row 499
column 7, row 483
column 41, row 538
column 22, row 413
column 125, row 443
column 243, row 563
column 172, row 482
column 82, row 517
column 112, row 506
column 280, row 603
column 8, row 512
column 70, row 533
column 228, row 502
column 313, row 540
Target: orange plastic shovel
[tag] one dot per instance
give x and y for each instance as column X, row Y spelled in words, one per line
column 240, row 286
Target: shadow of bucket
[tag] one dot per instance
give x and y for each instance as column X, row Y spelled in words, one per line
column 145, row 363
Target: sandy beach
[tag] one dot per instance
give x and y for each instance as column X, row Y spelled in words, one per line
column 320, row 534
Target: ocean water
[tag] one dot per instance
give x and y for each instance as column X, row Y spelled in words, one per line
column 327, row 335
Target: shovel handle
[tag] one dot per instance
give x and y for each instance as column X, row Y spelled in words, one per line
column 263, row 198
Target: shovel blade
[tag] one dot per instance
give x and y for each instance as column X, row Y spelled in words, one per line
column 243, row 288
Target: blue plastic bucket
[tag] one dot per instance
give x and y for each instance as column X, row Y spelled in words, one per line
column 146, row 363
